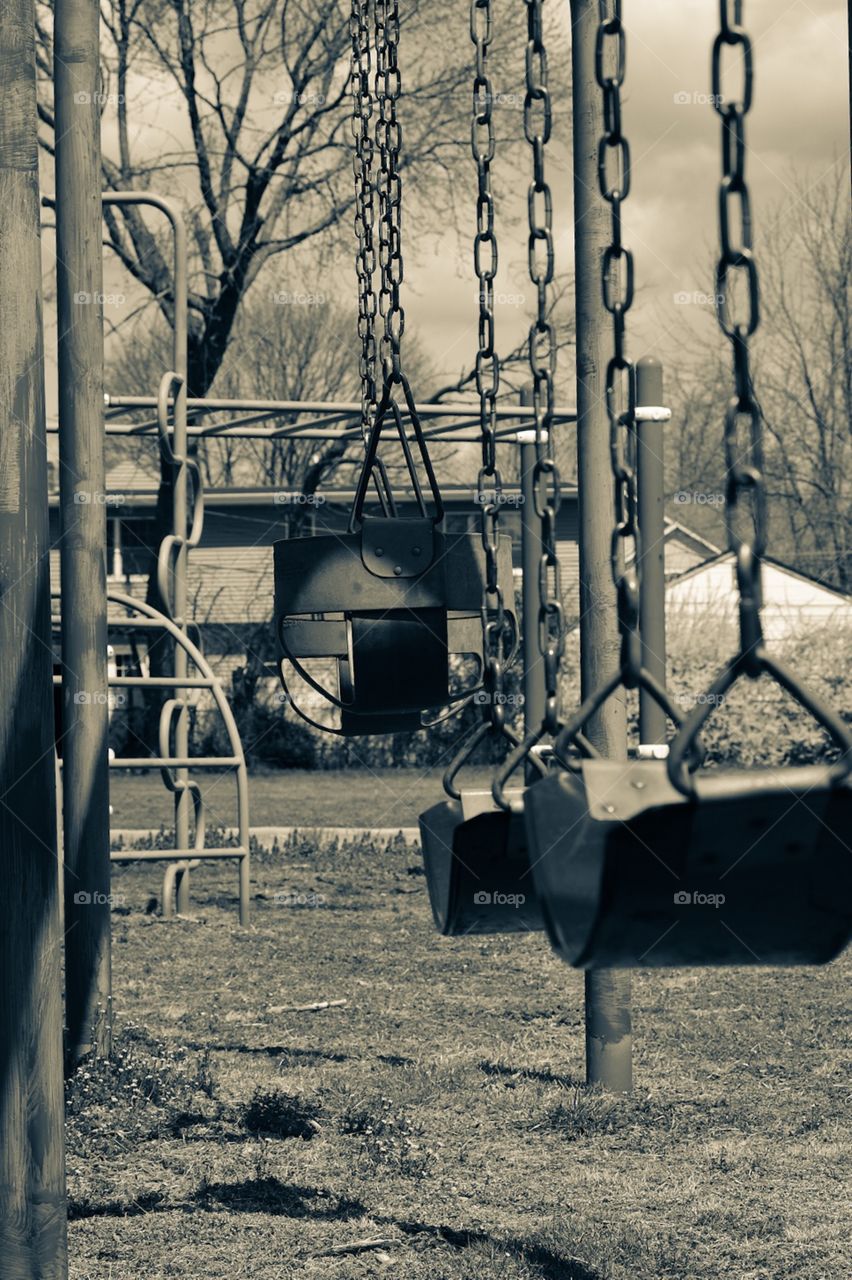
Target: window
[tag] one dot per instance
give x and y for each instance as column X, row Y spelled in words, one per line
column 130, row 543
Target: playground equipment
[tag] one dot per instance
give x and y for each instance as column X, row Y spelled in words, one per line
column 408, row 594
column 395, row 595
column 619, row 851
column 174, row 761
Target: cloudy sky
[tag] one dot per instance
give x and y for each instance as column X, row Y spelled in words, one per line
column 798, row 126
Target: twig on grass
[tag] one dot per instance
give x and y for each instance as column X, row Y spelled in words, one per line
column 357, row 1246
column 306, row 1009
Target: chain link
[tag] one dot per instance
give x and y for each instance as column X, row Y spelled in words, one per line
column 617, row 287
column 745, row 485
column 362, row 165
column 538, row 117
column 389, row 142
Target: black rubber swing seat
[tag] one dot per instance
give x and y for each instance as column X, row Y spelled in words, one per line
column 753, row 867
column 391, row 603
column 477, row 867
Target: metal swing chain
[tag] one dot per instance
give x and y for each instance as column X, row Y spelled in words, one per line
column 542, row 357
column 744, row 464
column 489, row 481
column 362, row 164
column 389, row 142
column 745, row 481
column 617, row 287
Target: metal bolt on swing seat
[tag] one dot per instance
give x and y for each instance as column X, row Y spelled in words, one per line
column 397, row 569
column 380, row 551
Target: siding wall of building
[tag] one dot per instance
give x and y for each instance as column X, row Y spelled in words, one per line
column 791, row 603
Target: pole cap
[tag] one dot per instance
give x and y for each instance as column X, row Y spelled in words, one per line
column 649, row 381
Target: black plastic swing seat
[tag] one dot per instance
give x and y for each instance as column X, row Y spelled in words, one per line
column 391, row 604
column 755, row 869
column 477, row 868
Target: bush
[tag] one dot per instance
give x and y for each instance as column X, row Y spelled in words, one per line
column 759, row 723
column 267, row 737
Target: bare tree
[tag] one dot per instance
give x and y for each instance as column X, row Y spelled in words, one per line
column 803, row 380
column 260, row 146
column 805, row 372
column 256, row 96
column 299, row 347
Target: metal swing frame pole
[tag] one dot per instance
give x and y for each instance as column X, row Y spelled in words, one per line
column 608, row 1022
column 32, row 1159
column 85, row 699
column 534, row 690
column 651, row 417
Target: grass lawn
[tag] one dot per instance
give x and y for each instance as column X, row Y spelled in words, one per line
column 288, row 798
column 439, row 1111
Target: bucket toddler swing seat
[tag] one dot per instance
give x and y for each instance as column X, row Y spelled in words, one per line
column 654, row 863
column 389, row 604
column 475, row 856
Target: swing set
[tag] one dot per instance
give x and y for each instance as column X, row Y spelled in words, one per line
column 600, row 853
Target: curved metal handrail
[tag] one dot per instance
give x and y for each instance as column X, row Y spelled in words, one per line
column 172, row 782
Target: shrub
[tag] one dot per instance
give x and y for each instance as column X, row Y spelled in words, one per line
column 267, row 737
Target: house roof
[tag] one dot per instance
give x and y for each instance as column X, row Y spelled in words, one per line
column 233, row 586
column 723, row 557
column 673, row 528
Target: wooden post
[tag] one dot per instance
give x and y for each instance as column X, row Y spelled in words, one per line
column 608, row 1029
column 32, row 1162
column 85, row 709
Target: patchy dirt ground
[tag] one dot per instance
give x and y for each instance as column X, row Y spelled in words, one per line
column 438, row 1113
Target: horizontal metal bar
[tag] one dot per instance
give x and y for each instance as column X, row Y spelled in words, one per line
column 175, row 762
column 428, row 410
column 296, row 432
column 153, row 682
column 142, row 624
column 263, row 415
column 174, row 855
column 272, row 433
column 161, row 682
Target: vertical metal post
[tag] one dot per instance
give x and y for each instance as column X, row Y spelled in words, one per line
column 180, row 526
column 534, row 691
column 85, row 710
column 32, row 1161
column 651, row 416
column 608, row 1026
